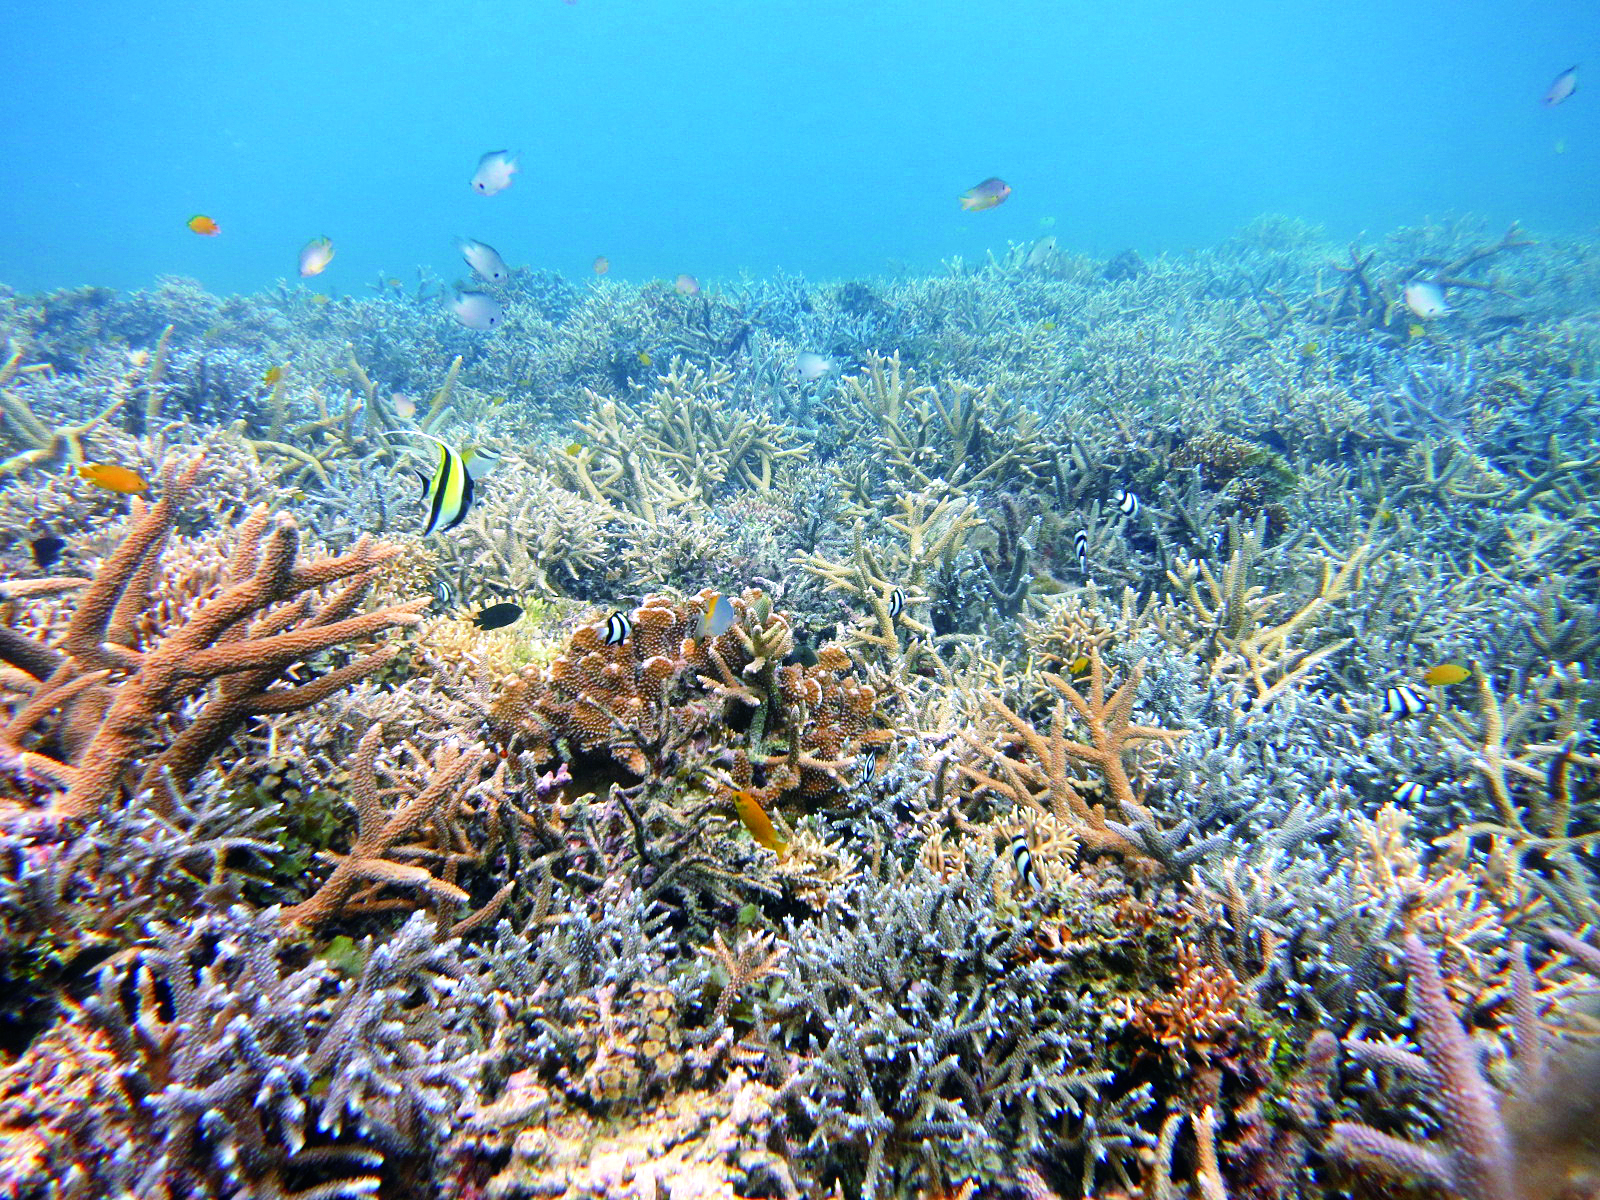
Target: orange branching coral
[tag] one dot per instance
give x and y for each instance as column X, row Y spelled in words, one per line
column 787, row 726
column 100, row 708
column 372, row 865
column 1044, row 781
column 1195, row 1018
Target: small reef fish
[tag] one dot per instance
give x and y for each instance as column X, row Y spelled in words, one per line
column 476, row 310
column 1080, row 547
column 869, row 766
column 1022, row 860
column 1446, row 675
column 990, row 192
column 1561, row 145
column 46, row 550
column 1041, row 253
column 1127, row 502
column 602, row 264
column 480, row 463
column 203, row 225
column 1426, row 300
column 1402, row 701
column 494, row 172
column 755, row 819
column 448, row 495
column 114, row 478
column 645, row 360
column 717, row 619
column 271, row 376
column 1411, row 793
column 315, row 256
column 812, row 367
column 404, row 406
column 497, row 616
column 617, row 629
column 1078, row 666
column 1565, row 84
column 687, row 285
column 444, row 593
column 484, row 260
column 897, row 603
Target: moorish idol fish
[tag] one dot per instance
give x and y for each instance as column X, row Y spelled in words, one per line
column 448, row 495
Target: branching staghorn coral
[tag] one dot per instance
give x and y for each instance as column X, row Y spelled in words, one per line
column 1044, row 780
column 968, row 436
column 374, row 861
column 681, row 447
column 44, row 443
column 234, row 1072
column 1243, row 632
column 89, row 704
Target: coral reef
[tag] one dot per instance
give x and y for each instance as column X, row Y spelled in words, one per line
column 1153, row 752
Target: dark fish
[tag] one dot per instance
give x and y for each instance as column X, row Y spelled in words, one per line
column 46, row 550
column 617, row 629
column 869, row 767
column 1402, row 701
column 897, row 603
column 444, row 593
column 1080, row 544
column 497, row 616
column 1127, row 502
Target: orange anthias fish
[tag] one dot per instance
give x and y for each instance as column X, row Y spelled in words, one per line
column 203, row 225
column 114, row 478
column 755, row 819
column 990, row 192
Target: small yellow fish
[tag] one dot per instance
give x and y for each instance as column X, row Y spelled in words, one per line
column 575, row 448
column 319, row 298
column 1079, row 665
column 1414, row 330
column 1446, row 674
column 273, row 374
column 755, row 819
column 1048, row 326
column 644, row 358
column 394, row 283
column 1310, row 350
column 114, row 478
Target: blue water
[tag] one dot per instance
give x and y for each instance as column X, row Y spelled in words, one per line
column 822, row 137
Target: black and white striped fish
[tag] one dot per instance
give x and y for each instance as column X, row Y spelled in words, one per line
column 617, row 628
column 1127, row 502
column 1080, row 544
column 1411, row 793
column 448, row 495
column 1022, row 860
column 444, row 593
column 897, row 603
column 1402, row 701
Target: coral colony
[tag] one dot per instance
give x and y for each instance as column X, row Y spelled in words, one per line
column 1057, row 728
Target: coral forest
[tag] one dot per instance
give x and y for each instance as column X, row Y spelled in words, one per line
column 1054, row 727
